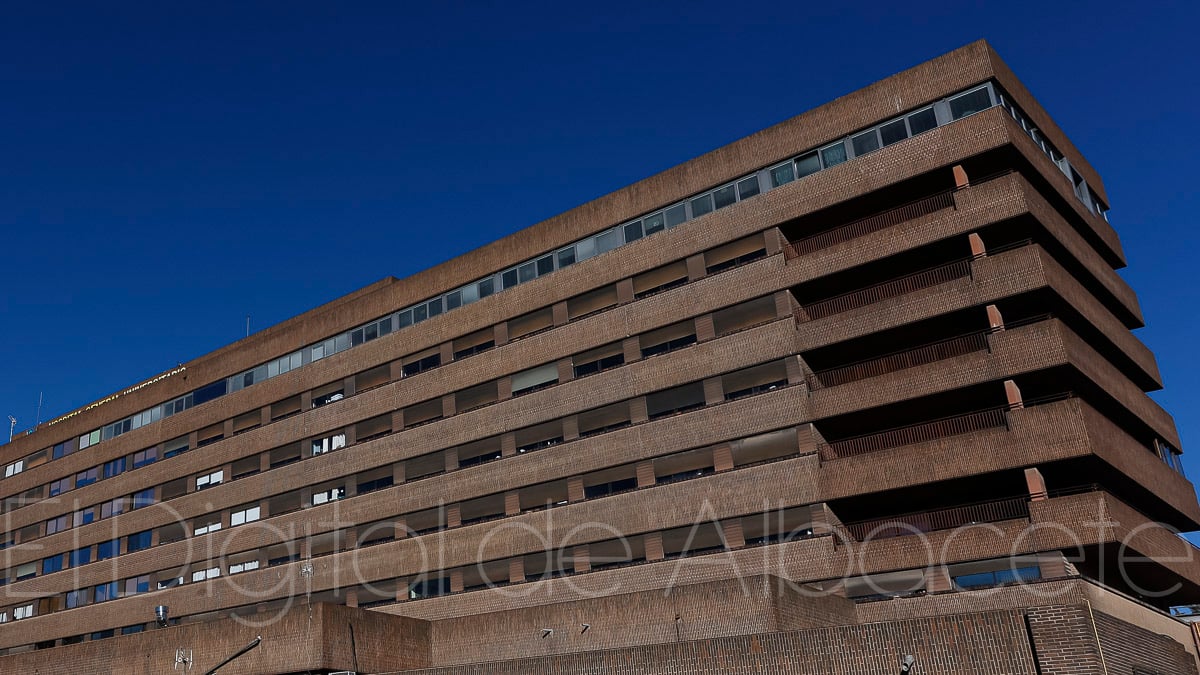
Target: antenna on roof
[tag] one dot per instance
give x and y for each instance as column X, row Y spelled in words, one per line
column 38, row 420
column 12, row 425
column 247, row 325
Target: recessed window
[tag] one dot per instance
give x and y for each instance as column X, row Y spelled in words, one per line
column 654, row 223
column 893, row 132
column 807, row 165
column 675, row 215
column 970, row 103
column 865, row 142
column 834, row 154
column 247, row 515
column 748, row 187
column 209, row 480
column 723, row 197
column 633, row 231
column 701, row 205
column 782, row 174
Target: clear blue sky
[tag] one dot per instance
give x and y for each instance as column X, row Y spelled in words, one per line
column 168, row 168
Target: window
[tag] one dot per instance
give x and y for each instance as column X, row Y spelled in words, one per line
column 1007, row 575
column 782, row 174
column 22, row 612
column 148, row 456
column 52, row 564
column 87, row 477
column 135, row 585
column 86, row 516
column 136, row 628
column 970, row 103
column 14, row 468
column 62, row 485
column 701, row 205
column 653, row 223
column 115, row 507
column 922, row 121
column 4, row 616
column 137, row 541
column 26, row 571
column 808, row 164
column 865, row 142
column 107, row 591
column 332, row 494
column 535, row 378
column 210, row 573
column 725, row 196
column 117, row 466
column 893, row 132
column 63, row 449
column 834, row 154
column 80, row 556
column 675, row 215
column 236, row 568
column 324, row 445
column 58, row 524
column 77, row 598
column 326, row 399
column 107, row 549
column 209, row 480
column 246, row 515
column 206, row 526
column 748, row 187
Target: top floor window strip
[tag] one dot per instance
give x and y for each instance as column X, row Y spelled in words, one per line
column 928, row 117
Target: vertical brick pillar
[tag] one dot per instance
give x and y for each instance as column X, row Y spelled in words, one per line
column 773, row 240
column 652, row 542
column 456, row 580
column 397, row 420
column 632, row 348
column 264, row 459
column 714, row 391
column 624, row 291
column 227, row 428
column 566, row 369
column 512, row 503
column 264, row 417
column 349, row 386
column 575, row 492
column 398, row 473
column 731, row 532
column 937, row 579
column 395, row 370
column 571, row 427
column 352, row 597
column 696, row 268
column 402, row 589
column 305, row 403
column 723, row 457
column 705, row 328
column 516, row 570
column 453, row 515
column 559, row 313
column 504, row 388
column 960, row 177
column 351, row 434
column 451, row 459
column 1036, row 484
column 784, row 304
column 448, row 408
column 645, row 474
column 446, row 350
column 581, row 559
column 978, row 250
column 501, row 333
column 400, row 528
column 1013, row 393
column 508, row 444
column 637, row 410
column 995, row 320
column 795, row 369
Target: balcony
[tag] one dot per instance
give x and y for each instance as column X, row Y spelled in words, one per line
column 1012, row 508
column 873, row 223
column 916, row 433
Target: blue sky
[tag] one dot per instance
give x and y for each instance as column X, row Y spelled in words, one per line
column 168, row 168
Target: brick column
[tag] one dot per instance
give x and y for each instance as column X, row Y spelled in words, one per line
column 632, row 347
column 448, row 405
column 558, row 312
column 1036, row 484
column 722, row 457
column 446, row 350
column 512, row 503
column 714, row 391
column 504, row 388
column 624, row 291
column 978, row 250
column 581, row 559
column 637, row 410
column 395, row 370
column 508, row 444
column 995, row 320
column 264, row 417
column 731, row 531
column 501, row 333
column 400, row 528
column 1013, row 393
column 349, row 386
column 398, row 473
column 456, row 580
column 705, row 329
column 305, row 401
column 575, row 491
column 571, row 427
column 227, row 428
column 795, row 369
column 696, row 269
column 645, row 474
column 652, row 542
column 451, row 459
column 453, row 515
column 352, row 597
column 773, row 240
column 516, row 570
column 566, row 370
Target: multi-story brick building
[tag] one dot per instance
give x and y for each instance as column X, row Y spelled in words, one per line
column 859, row 386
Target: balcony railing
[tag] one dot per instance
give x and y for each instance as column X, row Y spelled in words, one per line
column 873, row 223
column 939, row 519
column 909, row 358
column 916, row 433
column 888, row 289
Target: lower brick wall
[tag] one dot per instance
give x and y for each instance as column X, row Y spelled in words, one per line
column 1127, row 646
column 983, row 643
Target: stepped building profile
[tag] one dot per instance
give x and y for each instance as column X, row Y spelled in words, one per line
column 856, row 394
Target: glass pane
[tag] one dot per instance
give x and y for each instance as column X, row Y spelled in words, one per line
column 654, row 223
column 585, row 249
column 566, row 257
column 435, row 307
column 545, row 265
column 633, row 231
column 893, row 132
column 509, row 278
column 865, row 142
column 833, row 155
column 487, row 287
column 970, row 103
column 676, row 215
column 782, row 174
column 420, row 313
column 607, row 241
column 453, row 299
column 748, row 187
column 406, row 319
column 724, row 196
column 527, row 272
column 701, row 205
column 922, row 121
column 807, row 165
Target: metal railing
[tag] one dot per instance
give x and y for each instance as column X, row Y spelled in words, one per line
column 939, row 519
column 916, row 433
column 908, row 358
column 873, row 223
column 888, row 289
